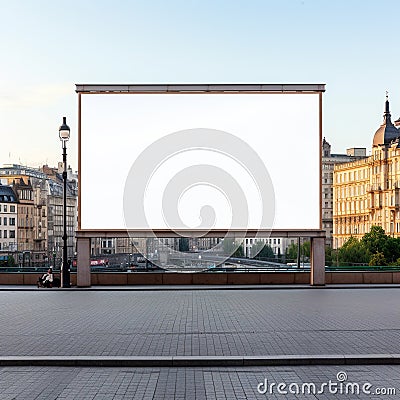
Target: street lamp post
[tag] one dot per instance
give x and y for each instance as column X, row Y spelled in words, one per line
column 64, row 132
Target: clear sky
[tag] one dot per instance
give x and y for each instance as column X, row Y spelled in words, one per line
column 48, row 46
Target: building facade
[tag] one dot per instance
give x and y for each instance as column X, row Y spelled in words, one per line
column 278, row 245
column 40, row 212
column 329, row 161
column 366, row 192
column 25, row 211
column 8, row 220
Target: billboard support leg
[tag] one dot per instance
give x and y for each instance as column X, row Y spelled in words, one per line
column 317, row 261
column 83, row 278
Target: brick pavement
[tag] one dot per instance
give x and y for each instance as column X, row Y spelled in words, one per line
column 30, row 383
column 208, row 322
column 211, row 322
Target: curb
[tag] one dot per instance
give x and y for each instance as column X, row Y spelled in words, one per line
column 167, row 288
column 200, row 361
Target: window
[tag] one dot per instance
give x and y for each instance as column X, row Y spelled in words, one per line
column 5, row 234
column 12, row 208
column 5, row 208
column 11, row 221
column 12, row 234
column 5, row 221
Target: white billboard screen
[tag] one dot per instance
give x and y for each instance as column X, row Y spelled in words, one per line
column 210, row 161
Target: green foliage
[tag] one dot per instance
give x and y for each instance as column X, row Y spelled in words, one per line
column 291, row 252
column 329, row 255
column 262, row 250
column 233, row 248
column 392, row 249
column 239, row 252
column 353, row 251
column 306, row 249
column 377, row 259
column 11, row 261
column 375, row 240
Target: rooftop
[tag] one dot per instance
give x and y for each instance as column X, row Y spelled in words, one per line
column 7, row 195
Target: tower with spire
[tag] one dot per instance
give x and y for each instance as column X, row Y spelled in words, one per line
column 367, row 192
column 387, row 132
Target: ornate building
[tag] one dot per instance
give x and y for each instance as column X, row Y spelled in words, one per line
column 40, row 212
column 329, row 161
column 366, row 192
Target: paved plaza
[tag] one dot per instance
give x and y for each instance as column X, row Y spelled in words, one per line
column 28, row 383
column 134, row 323
column 200, row 323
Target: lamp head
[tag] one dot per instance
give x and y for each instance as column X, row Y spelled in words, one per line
column 64, row 130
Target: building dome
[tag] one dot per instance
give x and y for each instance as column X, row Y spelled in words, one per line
column 387, row 131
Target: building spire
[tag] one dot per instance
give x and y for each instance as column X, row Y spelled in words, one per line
column 387, row 132
column 386, row 116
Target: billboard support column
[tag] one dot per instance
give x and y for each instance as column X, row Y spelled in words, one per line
column 317, row 261
column 83, row 278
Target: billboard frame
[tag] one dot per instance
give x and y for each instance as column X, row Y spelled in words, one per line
column 317, row 236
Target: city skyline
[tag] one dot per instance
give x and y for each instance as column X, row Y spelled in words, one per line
column 52, row 47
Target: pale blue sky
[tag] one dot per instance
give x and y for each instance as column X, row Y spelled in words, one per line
column 48, row 46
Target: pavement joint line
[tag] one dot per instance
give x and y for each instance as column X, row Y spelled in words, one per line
column 200, row 361
column 166, row 288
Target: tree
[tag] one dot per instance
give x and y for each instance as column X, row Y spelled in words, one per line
column 378, row 259
column 354, row 251
column 306, row 249
column 232, row 248
column 11, row 261
column 397, row 262
column 292, row 249
column 239, row 252
column 262, row 250
column 391, row 250
column 291, row 252
column 329, row 255
column 375, row 240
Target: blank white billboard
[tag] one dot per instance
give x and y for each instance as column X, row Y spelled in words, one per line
column 211, row 161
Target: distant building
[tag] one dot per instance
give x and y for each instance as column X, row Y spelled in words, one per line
column 367, row 191
column 329, row 160
column 25, row 210
column 40, row 211
column 278, row 245
column 8, row 220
